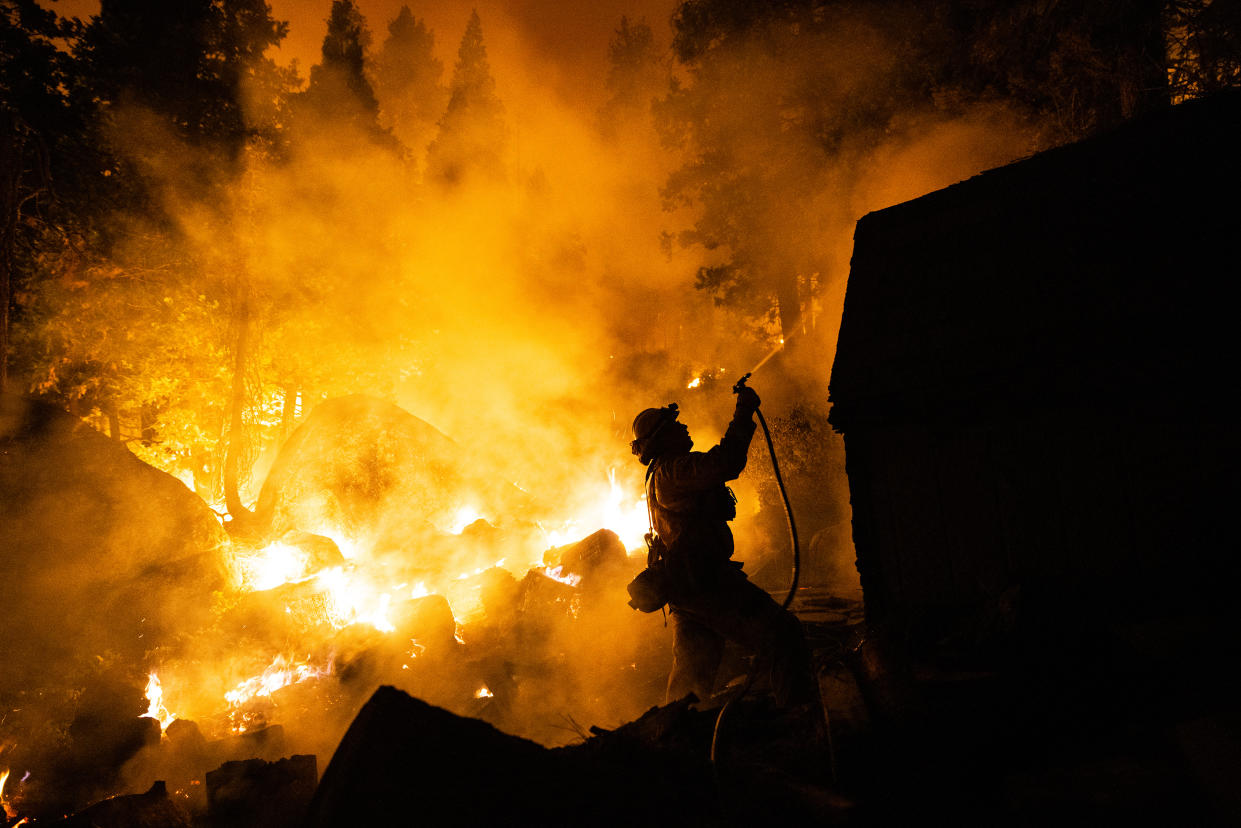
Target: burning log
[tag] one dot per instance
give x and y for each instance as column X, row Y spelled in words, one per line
column 292, row 557
column 68, row 751
column 259, row 794
column 597, row 560
column 263, row 743
column 153, row 809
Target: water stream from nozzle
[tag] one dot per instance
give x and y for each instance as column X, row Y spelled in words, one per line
column 778, row 348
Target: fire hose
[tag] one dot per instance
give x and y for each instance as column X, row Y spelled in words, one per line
column 788, row 599
column 784, row 494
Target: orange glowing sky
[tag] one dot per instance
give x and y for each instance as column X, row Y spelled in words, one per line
column 559, row 45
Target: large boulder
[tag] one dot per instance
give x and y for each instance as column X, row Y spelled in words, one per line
column 404, row 761
column 103, row 559
column 366, row 469
column 99, row 552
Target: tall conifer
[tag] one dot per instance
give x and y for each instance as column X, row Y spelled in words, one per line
column 409, row 82
column 472, row 134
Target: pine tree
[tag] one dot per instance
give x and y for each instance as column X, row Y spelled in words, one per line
column 339, row 103
column 637, row 74
column 338, row 84
column 472, row 135
column 408, row 82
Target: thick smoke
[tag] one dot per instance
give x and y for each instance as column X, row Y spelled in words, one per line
column 527, row 312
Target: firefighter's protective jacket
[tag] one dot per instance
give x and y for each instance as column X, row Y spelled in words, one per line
column 691, row 505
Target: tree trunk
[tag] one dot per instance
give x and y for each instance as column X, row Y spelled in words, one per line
column 237, row 405
column 288, row 415
column 1143, row 63
column 788, row 303
column 114, row 422
column 11, row 145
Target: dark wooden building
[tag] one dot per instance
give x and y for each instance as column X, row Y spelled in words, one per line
column 1035, row 381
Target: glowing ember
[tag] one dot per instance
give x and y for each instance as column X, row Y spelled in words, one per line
column 156, row 709
column 282, row 672
column 695, row 382
column 484, row 693
column 557, row 574
column 4, row 777
column 463, row 518
column 350, row 600
column 275, row 564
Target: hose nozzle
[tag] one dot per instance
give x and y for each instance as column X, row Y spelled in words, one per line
column 740, row 384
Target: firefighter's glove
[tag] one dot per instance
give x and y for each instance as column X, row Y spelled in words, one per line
column 747, row 400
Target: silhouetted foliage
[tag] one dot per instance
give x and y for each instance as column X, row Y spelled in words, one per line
column 1204, row 46
column 775, row 95
column 1080, row 66
column 188, row 63
column 780, row 95
column 37, row 128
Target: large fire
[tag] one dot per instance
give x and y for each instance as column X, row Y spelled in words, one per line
column 362, row 594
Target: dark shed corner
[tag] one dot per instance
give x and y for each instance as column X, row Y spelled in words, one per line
column 1034, row 382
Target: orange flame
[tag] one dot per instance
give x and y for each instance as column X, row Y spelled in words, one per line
column 464, row 516
column 282, row 672
column 352, row 600
column 156, row 709
column 352, row 594
column 627, row 518
column 274, row 565
column 556, row 573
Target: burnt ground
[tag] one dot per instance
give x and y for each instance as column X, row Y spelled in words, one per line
column 1074, row 725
